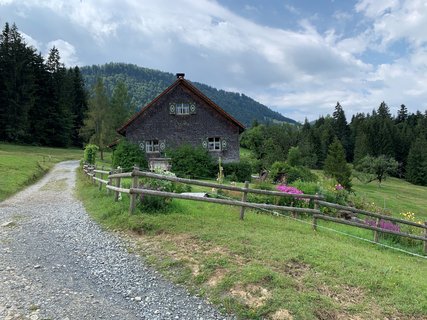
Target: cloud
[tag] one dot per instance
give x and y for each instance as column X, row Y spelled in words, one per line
column 67, row 52
column 30, row 41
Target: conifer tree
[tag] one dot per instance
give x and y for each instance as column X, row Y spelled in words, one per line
column 416, row 170
column 336, row 165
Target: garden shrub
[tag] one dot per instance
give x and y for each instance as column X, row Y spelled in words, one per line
column 90, row 153
column 128, row 154
column 283, row 171
column 190, row 162
column 237, row 171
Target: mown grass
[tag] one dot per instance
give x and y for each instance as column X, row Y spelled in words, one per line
column 269, row 267
column 22, row 165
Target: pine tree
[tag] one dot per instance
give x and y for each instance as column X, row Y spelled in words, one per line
column 341, row 129
column 120, row 105
column 336, row 165
column 79, row 107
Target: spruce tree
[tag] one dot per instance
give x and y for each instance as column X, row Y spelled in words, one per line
column 336, row 165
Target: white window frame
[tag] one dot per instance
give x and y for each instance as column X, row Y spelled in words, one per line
column 182, row 108
column 152, row 146
column 214, row 144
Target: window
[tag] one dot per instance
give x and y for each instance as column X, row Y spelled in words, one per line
column 214, row 144
column 182, row 108
column 152, row 146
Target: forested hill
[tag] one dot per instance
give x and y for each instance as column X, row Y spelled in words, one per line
column 145, row 84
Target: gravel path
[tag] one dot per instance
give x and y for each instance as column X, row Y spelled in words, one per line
column 56, row 263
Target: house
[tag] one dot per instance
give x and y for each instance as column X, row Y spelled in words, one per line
column 182, row 114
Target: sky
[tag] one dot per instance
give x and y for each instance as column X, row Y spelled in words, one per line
column 298, row 57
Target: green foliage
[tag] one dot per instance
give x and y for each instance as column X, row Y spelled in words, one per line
column 294, row 157
column 41, row 102
column 285, row 173
column 128, row 154
column 378, row 167
column 90, row 153
column 336, row 165
column 191, row 162
column 237, row 171
column 416, row 171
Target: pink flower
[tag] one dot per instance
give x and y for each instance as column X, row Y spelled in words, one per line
column 289, row 189
column 339, row 187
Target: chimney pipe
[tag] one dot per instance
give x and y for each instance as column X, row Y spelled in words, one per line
column 180, row 75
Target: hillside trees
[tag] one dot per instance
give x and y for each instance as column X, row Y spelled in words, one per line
column 416, row 171
column 40, row 101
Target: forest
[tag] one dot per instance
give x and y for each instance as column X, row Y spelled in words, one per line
column 371, row 142
column 41, row 101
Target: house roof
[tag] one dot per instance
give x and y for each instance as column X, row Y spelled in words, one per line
column 181, row 81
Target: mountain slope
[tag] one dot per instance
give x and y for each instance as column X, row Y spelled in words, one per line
column 145, row 84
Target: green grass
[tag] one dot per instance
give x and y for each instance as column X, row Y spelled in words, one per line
column 396, row 195
column 267, row 267
column 22, row 165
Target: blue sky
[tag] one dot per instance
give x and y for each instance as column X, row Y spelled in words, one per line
column 297, row 57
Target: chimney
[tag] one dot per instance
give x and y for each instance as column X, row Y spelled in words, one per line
column 180, row 75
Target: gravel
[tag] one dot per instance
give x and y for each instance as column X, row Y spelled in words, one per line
column 56, row 263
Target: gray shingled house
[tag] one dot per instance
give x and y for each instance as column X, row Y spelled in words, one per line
column 182, row 114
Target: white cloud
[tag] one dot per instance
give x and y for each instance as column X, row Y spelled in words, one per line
column 30, row 41
column 67, row 52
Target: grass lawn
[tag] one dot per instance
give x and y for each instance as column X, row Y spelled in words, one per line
column 268, row 267
column 22, row 165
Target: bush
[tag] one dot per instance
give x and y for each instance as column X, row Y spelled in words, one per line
column 237, row 171
column 127, row 155
column 283, row 172
column 90, row 153
column 192, row 162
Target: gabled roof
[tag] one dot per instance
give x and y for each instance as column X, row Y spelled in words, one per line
column 181, row 82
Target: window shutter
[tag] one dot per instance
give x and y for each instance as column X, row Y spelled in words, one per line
column 192, row 108
column 142, row 145
column 205, row 143
column 224, row 144
column 162, row 145
column 172, row 108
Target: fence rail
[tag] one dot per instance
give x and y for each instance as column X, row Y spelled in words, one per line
column 133, row 191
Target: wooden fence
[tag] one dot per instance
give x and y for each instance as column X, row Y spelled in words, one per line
column 316, row 213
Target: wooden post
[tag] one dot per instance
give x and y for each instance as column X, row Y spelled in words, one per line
column 110, row 182
column 425, row 241
column 377, row 224
column 244, row 197
column 134, row 185
column 93, row 174
column 316, row 204
column 102, row 177
column 314, row 223
column 116, row 196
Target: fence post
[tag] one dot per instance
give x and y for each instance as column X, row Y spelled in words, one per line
column 116, row 196
column 102, row 177
column 134, row 185
column 244, row 197
column 425, row 241
column 314, row 223
column 316, row 204
column 377, row 224
column 110, row 181
column 93, row 174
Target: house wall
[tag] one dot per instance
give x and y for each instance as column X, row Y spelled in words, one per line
column 156, row 123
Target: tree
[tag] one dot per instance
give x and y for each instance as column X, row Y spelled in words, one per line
column 336, row 165
column 416, row 170
column 377, row 167
column 120, row 105
column 294, row 157
column 341, row 129
column 97, row 128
